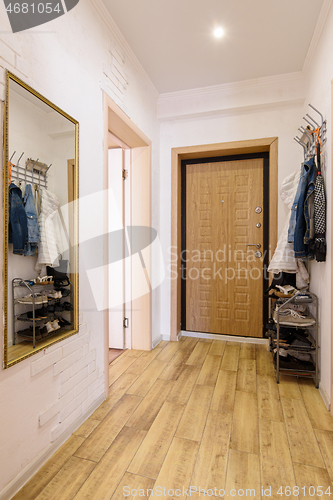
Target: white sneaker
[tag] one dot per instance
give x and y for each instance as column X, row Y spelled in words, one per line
column 54, row 294
column 49, row 327
column 293, row 318
column 55, row 325
column 28, row 299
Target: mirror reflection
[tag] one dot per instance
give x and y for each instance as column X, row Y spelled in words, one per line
column 40, row 268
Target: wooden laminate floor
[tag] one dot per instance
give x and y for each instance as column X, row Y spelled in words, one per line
column 196, row 414
column 114, row 353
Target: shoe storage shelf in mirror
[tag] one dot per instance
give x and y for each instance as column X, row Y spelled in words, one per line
column 40, row 277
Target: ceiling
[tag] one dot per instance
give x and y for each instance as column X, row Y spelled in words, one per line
column 173, row 39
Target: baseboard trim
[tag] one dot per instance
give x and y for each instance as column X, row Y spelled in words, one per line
column 26, row 474
column 325, row 397
column 158, row 340
column 228, row 338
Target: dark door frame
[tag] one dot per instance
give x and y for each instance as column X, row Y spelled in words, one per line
column 218, row 159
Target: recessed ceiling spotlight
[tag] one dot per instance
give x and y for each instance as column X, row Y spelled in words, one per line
column 218, row 32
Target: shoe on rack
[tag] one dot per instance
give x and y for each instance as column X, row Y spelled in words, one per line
column 64, row 291
column 28, row 333
column 63, row 322
column 53, row 294
column 55, row 325
column 67, row 306
column 302, row 356
column 286, row 290
column 40, row 313
column 301, row 341
column 49, row 326
column 303, row 297
column 44, row 332
column 43, row 280
column 291, row 363
column 290, row 317
column 28, row 299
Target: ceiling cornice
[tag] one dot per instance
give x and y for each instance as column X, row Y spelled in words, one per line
column 120, row 39
column 316, row 35
column 287, row 89
column 23, row 100
column 240, row 110
column 245, row 84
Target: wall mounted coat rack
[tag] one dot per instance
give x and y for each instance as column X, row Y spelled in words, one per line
column 313, row 133
column 34, row 172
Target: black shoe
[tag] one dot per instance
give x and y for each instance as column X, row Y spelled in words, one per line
column 28, row 333
column 64, row 292
column 291, row 363
column 40, row 313
column 63, row 322
column 67, row 306
column 300, row 341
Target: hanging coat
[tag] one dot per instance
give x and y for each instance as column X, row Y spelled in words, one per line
column 319, row 244
column 33, row 228
column 18, row 228
column 284, row 256
column 51, row 244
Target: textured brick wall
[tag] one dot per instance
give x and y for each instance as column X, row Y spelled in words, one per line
column 79, row 382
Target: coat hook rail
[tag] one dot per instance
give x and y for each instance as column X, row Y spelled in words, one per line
column 33, row 172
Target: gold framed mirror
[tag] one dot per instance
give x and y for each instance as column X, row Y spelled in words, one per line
column 40, row 235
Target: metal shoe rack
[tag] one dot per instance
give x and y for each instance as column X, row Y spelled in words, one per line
column 33, row 289
column 299, row 299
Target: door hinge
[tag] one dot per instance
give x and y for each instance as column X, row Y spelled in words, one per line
column 125, row 323
column 125, row 174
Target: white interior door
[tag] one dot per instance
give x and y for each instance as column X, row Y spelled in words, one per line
column 119, row 249
column 116, row 250
column 127, row 259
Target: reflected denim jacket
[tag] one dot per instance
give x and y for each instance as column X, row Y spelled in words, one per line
column 18, row 228
column 32, row 221
column 302, row 227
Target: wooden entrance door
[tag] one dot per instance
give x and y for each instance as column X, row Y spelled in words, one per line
column 224, row 275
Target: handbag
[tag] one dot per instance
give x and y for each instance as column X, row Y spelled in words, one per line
column 59, row 273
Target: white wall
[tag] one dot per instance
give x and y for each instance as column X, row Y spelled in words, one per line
column 318, row 93
column 278, row 122
column 44, row 397
column 250, row 110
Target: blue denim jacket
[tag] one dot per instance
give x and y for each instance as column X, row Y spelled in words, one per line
column 18, row 227
column 301, row 187
column 302, row 227
column 33, row 228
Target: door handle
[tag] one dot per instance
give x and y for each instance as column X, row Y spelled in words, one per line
column 257, row 245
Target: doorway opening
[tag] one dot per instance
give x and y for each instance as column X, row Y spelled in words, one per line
column 127, row 207
column 224, row 244
column 269, row 145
